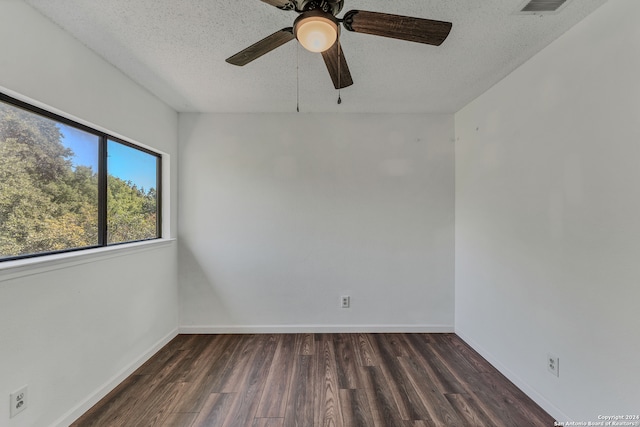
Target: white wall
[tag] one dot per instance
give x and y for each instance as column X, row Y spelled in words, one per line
column 283, row 213
column 547, row 219
column 68, row 331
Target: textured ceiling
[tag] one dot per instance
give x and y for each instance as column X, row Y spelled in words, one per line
column 177, row 50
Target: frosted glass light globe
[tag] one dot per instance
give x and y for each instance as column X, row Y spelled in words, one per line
column 316, row 34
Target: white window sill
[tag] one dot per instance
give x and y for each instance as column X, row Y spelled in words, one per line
column 38, row 265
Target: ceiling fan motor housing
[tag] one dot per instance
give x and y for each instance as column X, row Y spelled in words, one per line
column 330, row 6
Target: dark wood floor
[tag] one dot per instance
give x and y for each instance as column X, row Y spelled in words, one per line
column 386, row 380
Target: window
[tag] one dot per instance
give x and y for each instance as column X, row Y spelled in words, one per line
column 65, row 186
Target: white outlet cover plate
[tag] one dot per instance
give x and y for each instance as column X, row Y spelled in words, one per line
column 345, row 301
column 19, row 399
column 553, row 364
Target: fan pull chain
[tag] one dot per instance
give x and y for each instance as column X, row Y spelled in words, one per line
column 339, row 73
column 298, row 77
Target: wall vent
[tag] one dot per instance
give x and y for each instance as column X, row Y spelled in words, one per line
column 539, row 7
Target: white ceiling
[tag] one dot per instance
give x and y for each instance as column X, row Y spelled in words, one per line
column 177, row 50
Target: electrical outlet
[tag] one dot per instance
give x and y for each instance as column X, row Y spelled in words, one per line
column 18, row 401
column 553, row 364
column 345, row 301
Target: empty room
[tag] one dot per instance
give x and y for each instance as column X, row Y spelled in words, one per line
column 319, row 213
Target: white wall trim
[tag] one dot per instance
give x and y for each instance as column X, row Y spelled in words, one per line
column 82, row 407
column 292, row 329
column 521, row 384
column 43, row 264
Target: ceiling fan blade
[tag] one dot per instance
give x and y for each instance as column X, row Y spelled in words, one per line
column 398, row 27
column 337, row 66
column 265, row 45
column 281, row 4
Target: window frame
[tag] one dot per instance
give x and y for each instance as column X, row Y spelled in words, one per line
column 103, row 138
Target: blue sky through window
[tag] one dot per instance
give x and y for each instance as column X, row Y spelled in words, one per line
column 124, row 162
column 132, row 165
column 83, row 144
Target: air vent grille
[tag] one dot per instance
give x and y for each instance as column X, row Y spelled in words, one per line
column 542, row 6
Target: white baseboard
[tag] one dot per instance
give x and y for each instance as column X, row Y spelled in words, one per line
column 293, row 329
column 553, row 410
column 75, row 412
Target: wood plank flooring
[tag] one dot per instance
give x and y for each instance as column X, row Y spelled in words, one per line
column 337, row 380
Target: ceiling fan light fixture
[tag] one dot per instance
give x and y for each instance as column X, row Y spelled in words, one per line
column 316, row 31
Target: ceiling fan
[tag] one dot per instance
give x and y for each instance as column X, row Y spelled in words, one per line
column 317, row 29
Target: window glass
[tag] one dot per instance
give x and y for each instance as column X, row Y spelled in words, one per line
column 48, row 184
column 132, row 198
column 65, row 186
